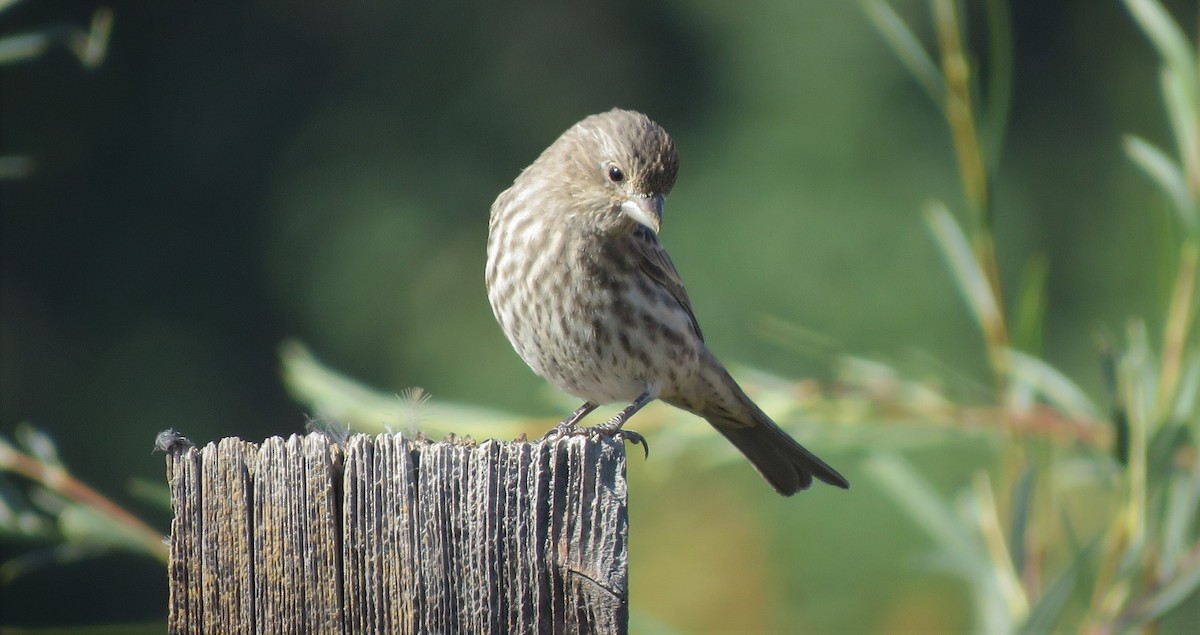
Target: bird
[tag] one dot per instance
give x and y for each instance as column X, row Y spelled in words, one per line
column 588, row 297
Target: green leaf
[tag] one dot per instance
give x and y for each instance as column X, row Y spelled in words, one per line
column 906, row 46
column 1055, row 387
column 916, row 497
column 1022, row 500
column 1165, row 34
column 85, row 525
column 1183, row 110
column 333, row 395
column 1187, row 400
column 1048, row 608
column 1031, row 305
column 20, row 48
column 966, row 271
column 999, row 89
column 1165, row 173
column 38, row 444
column 1118, row 409
column 153, row 492
column 1161, row 601
column 1183, row 498
column 1138, row 371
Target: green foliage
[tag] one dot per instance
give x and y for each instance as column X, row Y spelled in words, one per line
column 1047, row 475
column 1148, row 561
column 74, row 520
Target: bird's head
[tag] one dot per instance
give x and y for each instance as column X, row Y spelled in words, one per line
column 619, row 167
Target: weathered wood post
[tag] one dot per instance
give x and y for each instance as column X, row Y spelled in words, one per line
column 394, row 535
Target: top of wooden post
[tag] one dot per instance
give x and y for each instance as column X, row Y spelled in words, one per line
column 390, row 534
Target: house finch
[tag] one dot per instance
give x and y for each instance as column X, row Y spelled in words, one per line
column 591, row 301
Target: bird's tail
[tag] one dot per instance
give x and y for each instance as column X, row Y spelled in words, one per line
column 783, row 462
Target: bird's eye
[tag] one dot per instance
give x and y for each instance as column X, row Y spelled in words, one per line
column 615, row 174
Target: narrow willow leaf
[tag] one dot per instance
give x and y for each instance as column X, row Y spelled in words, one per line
column 970, row 278
column 85, row 525
column 1187, row 400
column 916, row 497
column 1004, row 573
column 1118, row 409
column 1031, row 305
column 1138, row 371
column 999, row 89
column 89, row 46
column 38, row 444
column 1166, row 174
column 1048, row 608
column 1165, row 34
column 1158, row 603
column 334, row 395
column 153, row 492
column 19, row 48
column 1022, row 502
column 1057, row 388
column 1183, row 110
column 1183, row 498
column 952, row 535
column 906, row 47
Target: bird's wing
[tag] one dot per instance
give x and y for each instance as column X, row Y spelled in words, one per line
column 657, row 265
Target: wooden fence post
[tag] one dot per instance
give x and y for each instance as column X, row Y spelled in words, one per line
column 395, row 535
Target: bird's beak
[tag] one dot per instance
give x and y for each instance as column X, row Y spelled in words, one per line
column 646, row 210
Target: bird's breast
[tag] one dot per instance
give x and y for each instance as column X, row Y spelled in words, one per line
column 578, row 310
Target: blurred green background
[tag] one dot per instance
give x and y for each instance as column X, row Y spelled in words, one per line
column 237, row 174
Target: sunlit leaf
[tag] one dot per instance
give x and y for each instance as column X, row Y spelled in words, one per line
column 1159, row 602
column 89, row 46
column 1055, row 387
column 336, row 396
column 1187, row 400
column 1165, row 173
column 1048, row 608
column 906, row 46
column 1179, row 94
column 1003, row 576
column 38, row 444
column 1138, row 370
column 1183, row 498
column 966, row 271
column 153, row 492
column 1031, row 305
column 84, row 525
column 1165, row 34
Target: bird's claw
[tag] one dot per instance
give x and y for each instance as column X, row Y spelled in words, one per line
column 613, row 430
column 616, row 434
column 630, row 436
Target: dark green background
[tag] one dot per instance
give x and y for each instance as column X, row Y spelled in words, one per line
column 239, row 173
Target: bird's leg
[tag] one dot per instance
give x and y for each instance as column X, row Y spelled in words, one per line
column 612, row 427
column 570, row 425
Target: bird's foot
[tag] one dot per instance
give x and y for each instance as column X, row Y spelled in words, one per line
column 613, row 430
column 567, row 428
column 570, row 426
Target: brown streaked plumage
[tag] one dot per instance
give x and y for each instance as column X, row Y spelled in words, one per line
column 591, row 301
